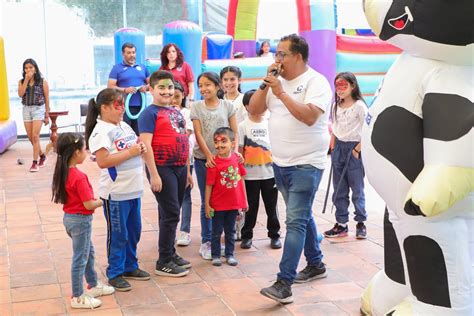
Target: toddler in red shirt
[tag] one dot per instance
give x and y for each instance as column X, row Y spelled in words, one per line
column 71, row 188
column 225, row 194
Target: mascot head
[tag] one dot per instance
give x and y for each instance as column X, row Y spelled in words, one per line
column 435, row 29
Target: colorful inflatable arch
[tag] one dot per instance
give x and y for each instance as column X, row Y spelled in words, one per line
column 8, row 131
column 366, row 56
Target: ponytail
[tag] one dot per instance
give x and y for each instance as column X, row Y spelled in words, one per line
column 106, row 96
column 91, row 119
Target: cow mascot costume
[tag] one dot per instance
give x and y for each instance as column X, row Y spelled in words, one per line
column 418, row 153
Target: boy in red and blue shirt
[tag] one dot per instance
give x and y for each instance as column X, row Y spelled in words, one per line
column 225, row 194
column 163, row 130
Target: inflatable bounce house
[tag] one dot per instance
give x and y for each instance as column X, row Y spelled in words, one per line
column 7, row 127
column 353, row 50
column 418, row 143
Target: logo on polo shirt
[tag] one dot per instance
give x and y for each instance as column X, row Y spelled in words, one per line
column 120, row 144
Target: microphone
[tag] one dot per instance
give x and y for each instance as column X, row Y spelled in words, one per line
column 264, row 85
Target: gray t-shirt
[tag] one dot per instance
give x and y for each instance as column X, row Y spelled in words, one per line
column 211, row 119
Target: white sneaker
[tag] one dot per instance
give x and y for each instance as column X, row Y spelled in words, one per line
column 100, row 289
column 85, row 301
column 205, row 250
column 184, row 239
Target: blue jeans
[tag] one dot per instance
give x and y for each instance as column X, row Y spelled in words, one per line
column 353, row 179
column 298, row 186
column 186, row 208
column 79, row 228
column 206, row 223
column 223, row 221
column 124, row 227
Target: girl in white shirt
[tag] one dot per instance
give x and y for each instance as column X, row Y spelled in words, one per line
column 348, row 114
column 230, row 81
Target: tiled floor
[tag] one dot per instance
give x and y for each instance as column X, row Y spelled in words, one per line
column 35, row 257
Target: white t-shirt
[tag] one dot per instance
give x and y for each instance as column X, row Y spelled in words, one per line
column 254, row 139
column 347, row 125
column 187, row 118
column 189, row 126
column 293, row 142
column 240, row 111
column 124, row 181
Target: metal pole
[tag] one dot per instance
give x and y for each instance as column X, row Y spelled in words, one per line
column 45, row 39
column 124, row 12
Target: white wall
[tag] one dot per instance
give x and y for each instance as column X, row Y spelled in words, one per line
column 64, row 53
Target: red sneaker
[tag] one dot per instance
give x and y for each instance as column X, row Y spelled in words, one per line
column 42, row 160
column 34, row 167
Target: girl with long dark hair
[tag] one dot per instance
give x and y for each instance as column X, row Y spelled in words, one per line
column 33, row 90
column 117, row 150
column 71, row 188
column 348, row 114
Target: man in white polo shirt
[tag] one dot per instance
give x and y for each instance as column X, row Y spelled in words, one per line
column 298, row 99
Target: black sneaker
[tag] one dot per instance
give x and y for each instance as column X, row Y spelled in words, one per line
column 361, row 231
column 337, row 231
column 280, row 291
column 120, row 284
column 180, row 261
column 138, row 274
column 246, row 243
column 311, row 273
column 275, row 243
column 170, row 269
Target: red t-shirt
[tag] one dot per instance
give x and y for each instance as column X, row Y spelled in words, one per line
column 183, row 74
column 228, row 191
column 78, row 190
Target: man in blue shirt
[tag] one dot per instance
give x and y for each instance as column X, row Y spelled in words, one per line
column 126, row 77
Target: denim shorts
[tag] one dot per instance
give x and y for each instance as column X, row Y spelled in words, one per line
column 33, row 112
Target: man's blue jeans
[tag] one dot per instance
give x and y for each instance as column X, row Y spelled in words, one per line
column 298, row 185
column 79, row 228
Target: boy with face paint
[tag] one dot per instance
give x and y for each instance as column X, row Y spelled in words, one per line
column 163, row 130
column 225, row 194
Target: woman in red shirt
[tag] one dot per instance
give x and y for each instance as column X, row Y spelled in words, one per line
column 172, row 60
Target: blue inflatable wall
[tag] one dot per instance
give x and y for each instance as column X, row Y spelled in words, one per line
column 219, row 46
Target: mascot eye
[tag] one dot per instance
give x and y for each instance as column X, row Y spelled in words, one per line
column 400, row 22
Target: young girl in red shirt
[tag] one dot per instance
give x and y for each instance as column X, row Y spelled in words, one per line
column 71, row 188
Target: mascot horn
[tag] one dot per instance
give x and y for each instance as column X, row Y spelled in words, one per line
column 418, row 155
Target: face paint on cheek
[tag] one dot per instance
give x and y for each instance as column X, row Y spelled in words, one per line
column 341, row 85
column 118, row 105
